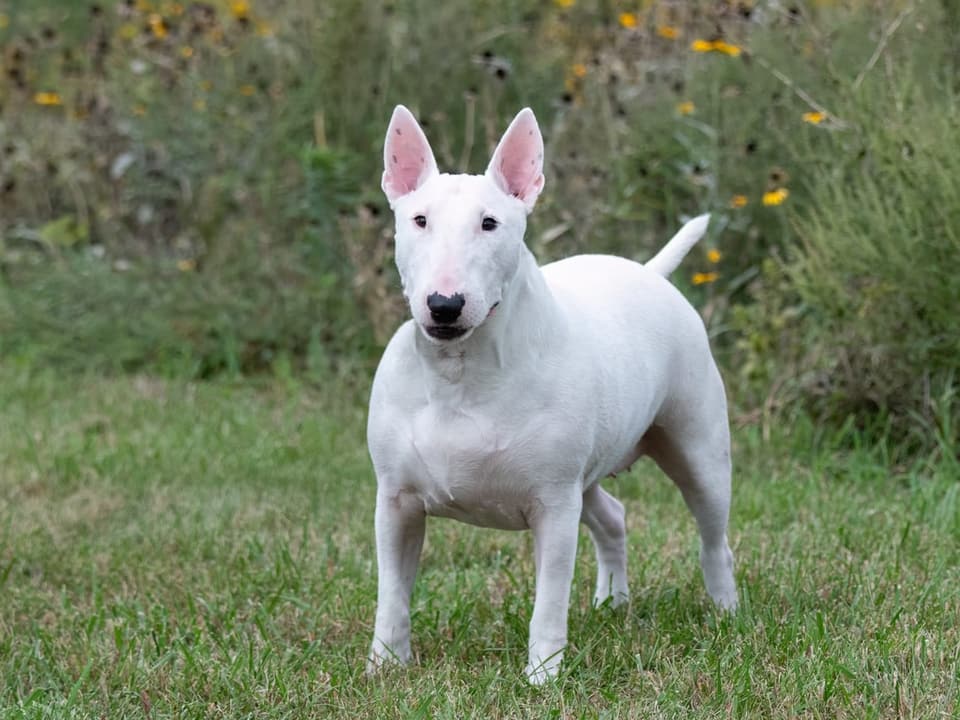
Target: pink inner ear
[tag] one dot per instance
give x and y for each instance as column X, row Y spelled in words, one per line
column 518, row 161
column 407, row 157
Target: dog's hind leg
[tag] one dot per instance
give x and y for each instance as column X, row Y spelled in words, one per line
column 604, row 517
column 696, row 456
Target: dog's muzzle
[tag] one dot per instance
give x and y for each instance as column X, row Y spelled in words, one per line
column 448, row 331
column 445, row 311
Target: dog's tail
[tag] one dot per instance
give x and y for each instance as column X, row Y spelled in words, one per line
column 666, row 261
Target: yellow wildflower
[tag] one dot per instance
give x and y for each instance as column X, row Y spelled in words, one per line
column 127, row 31
column 144, row 6
column 628, row 20
column 247, row 90
column 775, row 197
column 702, row 278
column 200, row 105
column 738, row 201
column 157, row 25
column 48, row 99
column 240, row 9
column 719, row 46
column 814, row 118
column 186, row 52
column 564, row 3
column 139, row 110
column 686, row 107
column 668, row 31
column 578, row 70
column 726, row 48
column 713, row 255
column 186, row 265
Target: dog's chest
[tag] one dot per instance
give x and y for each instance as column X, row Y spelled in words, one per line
column 465, row 465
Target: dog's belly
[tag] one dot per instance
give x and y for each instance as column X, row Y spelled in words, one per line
column 483, row 511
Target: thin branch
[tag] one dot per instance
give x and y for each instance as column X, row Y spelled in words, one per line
column 799, row 91
column 884, row 39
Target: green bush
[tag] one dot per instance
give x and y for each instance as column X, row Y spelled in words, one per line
column 856, row 321
column 877, row 269
column 194, row 187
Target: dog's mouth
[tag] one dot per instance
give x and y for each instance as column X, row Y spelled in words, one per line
column 445, row 332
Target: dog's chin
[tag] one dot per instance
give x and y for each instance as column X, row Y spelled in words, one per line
column 443, row 334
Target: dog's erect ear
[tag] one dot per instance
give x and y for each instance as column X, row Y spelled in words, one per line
column 407, row 158
column 517, row 163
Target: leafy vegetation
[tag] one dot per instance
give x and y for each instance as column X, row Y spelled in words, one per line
column 215, row 166
column 876, row 273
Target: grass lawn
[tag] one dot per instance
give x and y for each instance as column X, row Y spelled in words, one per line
column 206, row 550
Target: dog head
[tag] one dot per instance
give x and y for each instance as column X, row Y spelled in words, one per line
column 459, row 238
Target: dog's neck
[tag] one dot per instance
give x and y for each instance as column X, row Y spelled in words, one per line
column 527, row 317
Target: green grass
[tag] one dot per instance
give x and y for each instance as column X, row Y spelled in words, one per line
column 206, row 550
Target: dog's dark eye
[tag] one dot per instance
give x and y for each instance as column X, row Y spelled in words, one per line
column 489, row 224
column 420, row 220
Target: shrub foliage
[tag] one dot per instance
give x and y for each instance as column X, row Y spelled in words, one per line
column 192, row 187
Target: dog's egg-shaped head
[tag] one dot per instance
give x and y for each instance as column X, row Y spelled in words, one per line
column 459, row 238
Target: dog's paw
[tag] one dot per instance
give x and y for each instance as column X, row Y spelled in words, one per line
column 379, row 663
column 544, row 670
column 718, row 576
column 612, row 600
column 727, row 600
column 382, row 656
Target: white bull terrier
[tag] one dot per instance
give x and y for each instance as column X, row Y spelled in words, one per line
column 514, row 389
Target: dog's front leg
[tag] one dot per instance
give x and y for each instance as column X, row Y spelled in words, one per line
column 399, row 524
column 555, row 530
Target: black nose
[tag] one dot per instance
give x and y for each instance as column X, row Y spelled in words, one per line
column 445, row 310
